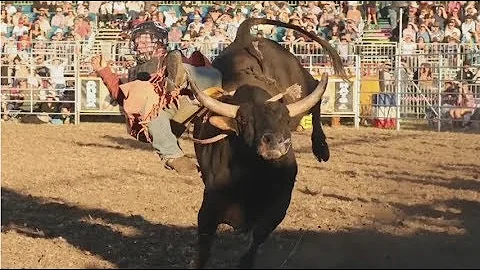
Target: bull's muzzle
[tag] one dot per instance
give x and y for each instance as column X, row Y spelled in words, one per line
column 273, row 146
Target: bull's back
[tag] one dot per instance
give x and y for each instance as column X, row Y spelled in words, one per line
column 239, row 67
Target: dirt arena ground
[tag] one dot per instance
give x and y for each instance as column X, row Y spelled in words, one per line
column 89, row 196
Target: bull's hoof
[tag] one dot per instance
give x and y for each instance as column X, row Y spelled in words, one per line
column 300, row 128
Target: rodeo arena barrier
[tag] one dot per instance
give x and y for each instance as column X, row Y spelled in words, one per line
column 391, row 85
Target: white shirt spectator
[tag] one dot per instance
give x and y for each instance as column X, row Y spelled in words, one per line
column 119, row 7
column 170, row 17
column 58, row 20
column 57, row 71
column 106, row 8
column 10, row 9
column 3, row 27
column 19, row 30
column 468, row 26
column 94, row 6
column 135, row 5
column 452, row 31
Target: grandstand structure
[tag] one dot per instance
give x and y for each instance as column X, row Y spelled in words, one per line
column 365, row 61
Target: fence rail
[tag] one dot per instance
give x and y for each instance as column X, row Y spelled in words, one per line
column 379, row 70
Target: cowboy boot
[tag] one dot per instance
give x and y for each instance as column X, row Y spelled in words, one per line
column 176, row 75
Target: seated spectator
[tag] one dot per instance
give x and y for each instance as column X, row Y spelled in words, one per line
column 70, row 20
column 422, row 46
column 58, row 20
column 468, row 29
column 424, row 32
column 175, row 34
column 170, row 17
column 466, row 106
column 196, row 24
column 423, row 78
column 215, row 11
column 20, row 30
column 452, row 31
column 35, row 31
column 82, row 28
column 44, row 23
column 465, row 75
column 134, row 7
column 140, row 18
column 436, row 32
column 411, row 30
column 10, row 8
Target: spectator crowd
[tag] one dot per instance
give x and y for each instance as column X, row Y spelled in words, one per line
column 211, row 27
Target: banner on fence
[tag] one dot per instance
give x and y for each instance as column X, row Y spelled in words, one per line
column 95, row 97
column 339, row 97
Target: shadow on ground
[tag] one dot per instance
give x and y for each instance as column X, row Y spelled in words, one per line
column 169, row 246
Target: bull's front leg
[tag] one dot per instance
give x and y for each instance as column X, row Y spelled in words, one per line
column 270, row 219
column 319, row 140
column 208, row 220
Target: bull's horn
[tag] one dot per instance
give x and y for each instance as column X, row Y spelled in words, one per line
column 212, row 104
column 309, row 101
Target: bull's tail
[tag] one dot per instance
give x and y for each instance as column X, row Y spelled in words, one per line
column 243, row 34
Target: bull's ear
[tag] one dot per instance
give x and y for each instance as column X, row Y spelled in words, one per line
column 224, row 123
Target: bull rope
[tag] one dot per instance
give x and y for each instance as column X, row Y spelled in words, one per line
column 213, row 139
column 290, row 255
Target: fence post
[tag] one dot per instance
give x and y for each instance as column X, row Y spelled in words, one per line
column 76, row 64
column 356, row 88
column 440, row 75
column 399, row 83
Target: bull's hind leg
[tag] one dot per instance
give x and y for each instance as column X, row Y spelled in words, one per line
column 319, row 140
column 208, row 220
column 271, row 218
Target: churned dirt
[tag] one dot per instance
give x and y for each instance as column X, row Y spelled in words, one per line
column 89, row 196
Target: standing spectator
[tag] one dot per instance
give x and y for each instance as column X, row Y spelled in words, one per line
column 372, row 13
column 134, row 8
column 56, row 67
column 105, row 13
column 119, row 10
column 468, row 29
column 441, row 16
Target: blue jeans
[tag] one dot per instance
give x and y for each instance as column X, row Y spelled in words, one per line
column 163, row 139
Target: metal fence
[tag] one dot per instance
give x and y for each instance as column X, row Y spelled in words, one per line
column 391, row 93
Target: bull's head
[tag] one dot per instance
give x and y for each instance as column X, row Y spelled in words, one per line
column 265, row 126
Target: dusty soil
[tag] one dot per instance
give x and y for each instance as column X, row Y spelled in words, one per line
column 89, row 196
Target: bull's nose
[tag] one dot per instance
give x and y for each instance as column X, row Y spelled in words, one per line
column 271, row 138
